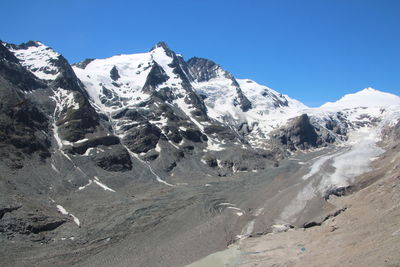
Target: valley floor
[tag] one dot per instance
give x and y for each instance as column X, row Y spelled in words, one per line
column 176, row 226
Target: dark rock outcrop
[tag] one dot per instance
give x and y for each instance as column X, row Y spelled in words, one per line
column 23, row 124
column 4, row 210
column 142, row 138
column 156, row 77
column 94, row 142
column 116, row 159
column 14, row 73
column 114, row 74
column 84, row 63
column 193, row 135
column 301, row 134
column 31, row 224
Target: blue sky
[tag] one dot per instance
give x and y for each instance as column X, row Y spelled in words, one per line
column 313, row 50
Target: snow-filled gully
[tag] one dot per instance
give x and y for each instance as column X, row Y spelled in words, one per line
column 133, row 155
column 59, row 141
column 158, row 178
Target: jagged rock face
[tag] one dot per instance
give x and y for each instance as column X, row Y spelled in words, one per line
column 142, row 138
column 41, row 60
column 23, row 125
column 156, row 77
column 301, row 134
column 73, row 123
column 204, row 70
column 83, row 64
column 114, row 160
column 11, row 70
column 114, row 75
column 75, row 117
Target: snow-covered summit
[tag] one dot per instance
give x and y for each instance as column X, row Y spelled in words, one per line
column 198, row 91
column 126, row 76
column 40, row 59
column 368, row 97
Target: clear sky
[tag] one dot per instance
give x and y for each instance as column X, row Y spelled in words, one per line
column 313, row 50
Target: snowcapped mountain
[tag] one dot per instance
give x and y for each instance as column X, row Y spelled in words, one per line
column 368, row 97
column 208, row 96
column 132, row 142
column 163, row 95
column 160, row 97
column 40, row 59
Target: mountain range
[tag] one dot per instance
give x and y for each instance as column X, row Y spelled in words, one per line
column 131, row 158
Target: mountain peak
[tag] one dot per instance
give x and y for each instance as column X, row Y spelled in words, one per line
column 368, row 89
column 367, row 97
column 162, row 45
column 26, row 45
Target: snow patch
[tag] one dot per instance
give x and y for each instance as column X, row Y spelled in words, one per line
column 54, row 168
column 83, row 187
column 97, row 181
column 65, row 212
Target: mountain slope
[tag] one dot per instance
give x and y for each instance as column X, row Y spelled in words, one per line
column 108, row 159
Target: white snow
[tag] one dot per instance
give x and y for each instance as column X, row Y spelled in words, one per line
column 54, row 168
column 62, row 210
column 158, row 148
column 88, row 151
column 97, row 181
column 76, row 220
column 66, row 99
column 83, row 187
column 270, row 109
column 213, row 146
column 38, row 60
column 132, row 69
column 81, row 141
column 65, row 212
column 367, row 97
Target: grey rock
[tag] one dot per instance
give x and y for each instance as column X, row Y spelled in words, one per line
column 142, row 138
column 94, row 142
column 116, row 159
column 114, row 74
column 301, row 134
